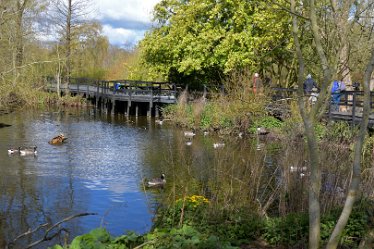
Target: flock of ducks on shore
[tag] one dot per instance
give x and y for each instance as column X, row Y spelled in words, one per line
column 32, row 150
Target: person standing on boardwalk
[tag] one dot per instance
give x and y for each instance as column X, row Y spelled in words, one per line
column 257, row 84
column 336, row 93
column 309, row 84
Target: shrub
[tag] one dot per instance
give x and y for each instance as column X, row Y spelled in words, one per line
column 267, row 122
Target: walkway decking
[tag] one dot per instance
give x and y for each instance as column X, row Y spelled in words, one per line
column 350, row 105
column 130, row 94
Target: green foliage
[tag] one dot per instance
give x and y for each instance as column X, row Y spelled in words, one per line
column 199, row 41
column 185, row 237
column 95, row 239
column 267, row 122
column 203, row 229
column 356, row 227
column 341, row 132
column 293, row 228
column 320, row 130
column 286, row 230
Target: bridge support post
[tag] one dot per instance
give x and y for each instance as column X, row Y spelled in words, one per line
column 128, row 108
column 113, row 109
column 157, row 113
column 136, row 110
column 149, row 112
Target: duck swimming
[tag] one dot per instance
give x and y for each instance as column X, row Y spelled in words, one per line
column 157, row 182
column 58, row 139
column 13, row 150
column 24, row 151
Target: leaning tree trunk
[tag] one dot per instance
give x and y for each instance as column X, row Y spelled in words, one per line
column 356, row 171
column 315, row 179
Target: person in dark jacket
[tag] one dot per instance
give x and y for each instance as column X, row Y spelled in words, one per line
column 309, row 84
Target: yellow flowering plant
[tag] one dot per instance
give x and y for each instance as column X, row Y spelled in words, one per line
column 191, row 202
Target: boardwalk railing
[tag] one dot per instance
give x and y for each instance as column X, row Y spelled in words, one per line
column 127, row 90
column 348, row 109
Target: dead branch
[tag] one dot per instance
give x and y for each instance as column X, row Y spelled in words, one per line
column 47, row 236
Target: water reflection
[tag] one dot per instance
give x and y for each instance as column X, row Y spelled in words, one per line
column 101, row 166
column 98, row 170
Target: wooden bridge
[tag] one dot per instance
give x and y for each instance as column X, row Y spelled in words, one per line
column 146, row 98
column 349, row 109
column 128, row 96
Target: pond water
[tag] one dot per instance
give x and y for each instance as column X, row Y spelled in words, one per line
column 101, row 166
column 99, row 169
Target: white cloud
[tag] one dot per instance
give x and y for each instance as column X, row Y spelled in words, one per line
column 121, row 36
column 124, row 21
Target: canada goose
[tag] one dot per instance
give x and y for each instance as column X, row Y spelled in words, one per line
column 58, row 139
column 24, row 151
column 218, row 145
column 13, row 150
column 157, row 182
column 189, row 134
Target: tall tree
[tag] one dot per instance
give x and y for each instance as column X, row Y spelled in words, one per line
column 328, row 62
column 69, row 16
column 202, row 41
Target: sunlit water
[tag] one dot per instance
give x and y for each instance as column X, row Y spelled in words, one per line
column 99, row 169
column 101, row 166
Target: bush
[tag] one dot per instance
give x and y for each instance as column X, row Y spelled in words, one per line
column 267, row 122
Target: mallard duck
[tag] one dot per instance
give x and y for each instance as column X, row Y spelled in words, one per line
column 189, row 134
column 13, row 150
column 157, row 182
column 58, row 139
column 24, row 151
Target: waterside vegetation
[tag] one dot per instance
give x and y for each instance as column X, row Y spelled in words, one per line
column 205, row 42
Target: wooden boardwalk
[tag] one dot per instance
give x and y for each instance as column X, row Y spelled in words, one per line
column 136, row 96
column 122, row 94
column 349, row 108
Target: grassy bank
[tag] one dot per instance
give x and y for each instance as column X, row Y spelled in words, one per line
column 22, row 95
column 191, row 222
column 231, row 113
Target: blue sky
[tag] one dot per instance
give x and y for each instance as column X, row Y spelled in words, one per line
column 124, row 21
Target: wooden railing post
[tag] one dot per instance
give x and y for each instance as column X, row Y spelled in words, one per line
column 330, row 112
column 353, row 108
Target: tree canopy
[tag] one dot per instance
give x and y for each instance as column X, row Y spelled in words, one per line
column 199, row 42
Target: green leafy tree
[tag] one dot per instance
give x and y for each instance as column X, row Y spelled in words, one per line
column 202, row 41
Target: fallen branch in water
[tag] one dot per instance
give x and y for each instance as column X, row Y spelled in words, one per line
column 46, row 236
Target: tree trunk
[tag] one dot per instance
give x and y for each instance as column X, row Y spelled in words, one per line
column 356, row 171
column 68, row 43
column 19, row 32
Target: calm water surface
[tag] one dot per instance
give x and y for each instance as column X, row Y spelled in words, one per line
column 101, row 166
column 99, row 169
